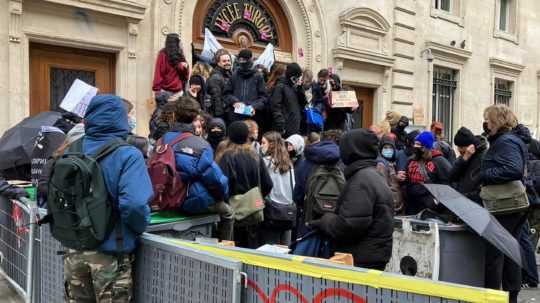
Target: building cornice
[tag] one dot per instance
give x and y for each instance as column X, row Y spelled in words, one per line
column 133, row 9
column 356, row 55
column 505, row 66
column 448, row 53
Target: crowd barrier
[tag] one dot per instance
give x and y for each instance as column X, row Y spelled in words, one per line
column 171, row 270
column 275, row 278
column 17, row 240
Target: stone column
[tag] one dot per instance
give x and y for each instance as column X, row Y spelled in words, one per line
column 16, row 103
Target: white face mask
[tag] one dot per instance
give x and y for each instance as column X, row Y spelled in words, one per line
column 132, row 121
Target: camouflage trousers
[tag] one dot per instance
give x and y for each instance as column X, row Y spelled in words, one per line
column 91, row 276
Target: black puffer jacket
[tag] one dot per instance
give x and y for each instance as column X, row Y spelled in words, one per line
column 363, row 225
column 285, row 109
column 241, row 168
column 216, row 88
column 248, row 87
column 465, row 175
column 506, row 157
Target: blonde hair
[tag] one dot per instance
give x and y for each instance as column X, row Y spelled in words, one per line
column 501, row 117
column 202, row 69
column 393, row 118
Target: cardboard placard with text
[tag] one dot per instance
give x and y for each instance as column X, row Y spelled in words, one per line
column 344, row 99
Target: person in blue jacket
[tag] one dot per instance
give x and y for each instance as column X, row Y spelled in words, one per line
column 208, row 186
column 103, row 275
column 325, row 152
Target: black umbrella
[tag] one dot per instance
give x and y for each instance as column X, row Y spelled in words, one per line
column 478, row 219
column 17, row 143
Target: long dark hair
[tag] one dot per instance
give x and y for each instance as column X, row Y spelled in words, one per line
column 174, row 52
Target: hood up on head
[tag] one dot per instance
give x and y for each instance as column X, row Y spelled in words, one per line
column 324, row 152
column 359, row 144
column 106, row 117
column 298, row 143
column 523, row 133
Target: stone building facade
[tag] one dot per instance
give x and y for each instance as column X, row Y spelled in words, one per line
column 429, row 59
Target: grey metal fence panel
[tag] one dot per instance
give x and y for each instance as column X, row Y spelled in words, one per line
column 17, row 228
column 167, row 273
column 51, row 283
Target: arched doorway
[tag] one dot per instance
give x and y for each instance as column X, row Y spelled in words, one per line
column 241, row 24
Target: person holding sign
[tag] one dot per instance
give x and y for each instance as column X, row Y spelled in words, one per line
column 245, row 94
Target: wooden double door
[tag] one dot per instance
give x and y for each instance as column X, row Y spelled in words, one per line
column 53, row 69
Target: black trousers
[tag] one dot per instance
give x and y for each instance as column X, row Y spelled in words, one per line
column 501, row 270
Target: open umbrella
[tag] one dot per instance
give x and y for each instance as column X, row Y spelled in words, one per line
column 17, row 143
column 478, row 219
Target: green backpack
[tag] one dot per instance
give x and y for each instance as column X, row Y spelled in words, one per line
column 324, row 186
column 80, row 210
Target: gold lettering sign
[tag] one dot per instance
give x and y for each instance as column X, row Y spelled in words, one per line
column 236, row 11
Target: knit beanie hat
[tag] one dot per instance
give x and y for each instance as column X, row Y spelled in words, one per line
column 245, row 54
column 464, row 137
column 238, row 132
column 293, row 70
column 426, row 138
column 196, row 80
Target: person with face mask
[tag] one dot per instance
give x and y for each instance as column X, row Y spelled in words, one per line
column 216, row 132
column 465, row 173
column 245, row 94
column 286, row 113
column 399, row 131
column 386, row 166
column 426, row 166
column 219, row 78
column 295, row 146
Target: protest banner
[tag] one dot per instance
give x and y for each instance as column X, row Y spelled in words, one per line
column 344, row 99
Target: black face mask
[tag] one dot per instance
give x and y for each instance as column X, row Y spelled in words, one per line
column 292, row 154
column 418, row 152
column 246, row 65
column 486, row 129
column 214, row 138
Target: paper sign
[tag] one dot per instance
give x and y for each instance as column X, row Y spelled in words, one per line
column 344, row 99
column 78, row 97
column 418, row 115
column 243, row 109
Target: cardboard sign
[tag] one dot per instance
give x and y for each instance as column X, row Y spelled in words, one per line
column 78, row 97
column 344, row 99
column 418, row 115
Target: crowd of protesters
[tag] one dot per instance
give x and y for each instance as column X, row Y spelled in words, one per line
column 248, row 136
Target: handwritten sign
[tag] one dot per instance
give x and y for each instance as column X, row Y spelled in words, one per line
column 344, row 99
column 78, row 97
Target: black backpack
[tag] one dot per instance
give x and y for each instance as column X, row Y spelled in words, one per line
column 324, row 186
column 79, row 207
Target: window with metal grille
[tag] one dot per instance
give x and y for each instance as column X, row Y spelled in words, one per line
column 503, row 92
column 444, row 87
column 445, row 5
column 61, row 81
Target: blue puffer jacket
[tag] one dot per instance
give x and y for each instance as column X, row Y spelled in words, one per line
column 195, row 162
column 125, row 172
column 505, row 159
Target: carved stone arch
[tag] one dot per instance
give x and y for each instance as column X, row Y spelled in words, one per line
column 305, row 24
column 366, row 17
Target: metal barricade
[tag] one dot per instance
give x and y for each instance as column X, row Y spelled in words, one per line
column 275, row 278
column 17, row 229
column 168, row 273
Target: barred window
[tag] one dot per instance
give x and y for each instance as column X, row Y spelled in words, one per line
column 445, row 5
column 444, row 87
column 503, row 92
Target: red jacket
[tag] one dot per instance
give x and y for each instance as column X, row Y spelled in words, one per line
column 168, row 78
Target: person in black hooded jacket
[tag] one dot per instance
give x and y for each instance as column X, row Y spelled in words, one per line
column 286, row 112
column 219, row 77
column 247, row 87
column 401, row 134
column 363, row 224
column 465, row 173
